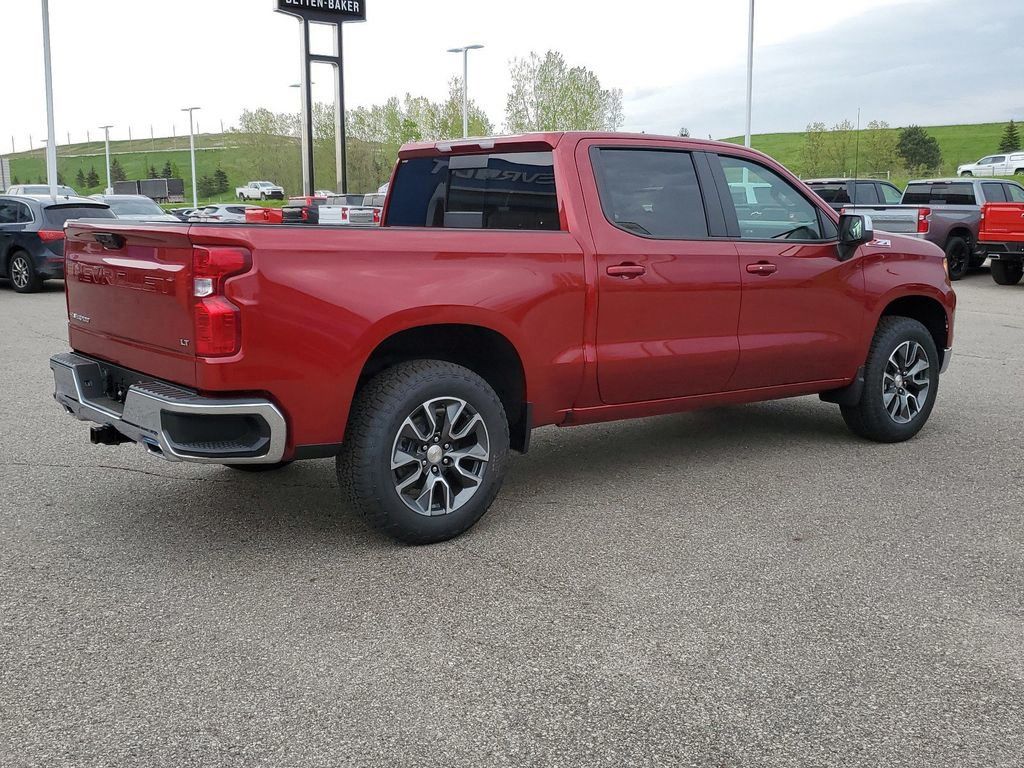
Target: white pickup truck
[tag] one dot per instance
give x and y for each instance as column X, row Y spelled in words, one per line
column 260, row 190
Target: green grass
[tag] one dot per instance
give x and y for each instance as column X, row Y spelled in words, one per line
column 959, row 143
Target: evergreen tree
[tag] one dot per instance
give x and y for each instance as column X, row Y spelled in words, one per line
column 116, row 171
column 220, row 180
column 206, row 187
column 152, row 172
column 1011, row 139
column 918, row 149
column 92, row 179
column 167, row 172
column 15, row 181
column 80, row 179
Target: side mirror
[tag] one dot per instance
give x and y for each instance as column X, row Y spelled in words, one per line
column 855, row 229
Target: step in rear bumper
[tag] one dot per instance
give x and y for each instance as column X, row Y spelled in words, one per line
column 170, row 421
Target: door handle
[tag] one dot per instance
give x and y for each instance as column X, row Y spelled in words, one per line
column 761, row 268
column 626, row 271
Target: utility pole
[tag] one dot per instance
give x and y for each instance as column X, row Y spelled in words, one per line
column 465, row 84
column 106, row 133
column 192, row 152
column 51, row 146
column 750, row 72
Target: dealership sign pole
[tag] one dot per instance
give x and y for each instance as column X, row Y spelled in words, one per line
column 335, row 13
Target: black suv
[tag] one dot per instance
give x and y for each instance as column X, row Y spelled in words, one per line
column 32, row 236
column 842, row 192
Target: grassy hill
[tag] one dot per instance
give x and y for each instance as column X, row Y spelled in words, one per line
column 959, row 143
column 242, row 157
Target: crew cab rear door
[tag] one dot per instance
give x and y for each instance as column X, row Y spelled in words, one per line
column 668, row 290
column 129, row 294
column 802, row 314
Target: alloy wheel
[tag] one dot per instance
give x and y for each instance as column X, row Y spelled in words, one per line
column 21, row 272
column 439, row 456
column 906, row 382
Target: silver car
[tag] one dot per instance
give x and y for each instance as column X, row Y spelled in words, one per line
column 134, row 207
column 228, row 213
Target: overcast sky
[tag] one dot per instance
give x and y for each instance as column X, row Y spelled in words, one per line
column 678, row 62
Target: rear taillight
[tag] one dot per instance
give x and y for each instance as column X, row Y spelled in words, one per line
column 376, row 215
column 924, row 220
column 48, row 235
column 344, row 214
column 218, row 322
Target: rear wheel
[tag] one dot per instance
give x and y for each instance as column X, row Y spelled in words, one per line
column 1018, row 172
column 425, row 451
column 901, row 380
column 958, row 256
column 1007, row 272
column 22, row 273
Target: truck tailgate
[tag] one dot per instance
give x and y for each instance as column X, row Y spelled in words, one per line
column 898, row 219
column 1002, row 223
column 129, row 295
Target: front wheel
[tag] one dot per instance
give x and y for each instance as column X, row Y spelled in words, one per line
column 1007, row 272
column 263, row 195
column 958, row 257
column 966, row 173
column 22, row 273
column 901, row 380
column 425, row 451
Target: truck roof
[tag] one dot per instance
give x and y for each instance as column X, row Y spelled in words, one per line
column 549, row 140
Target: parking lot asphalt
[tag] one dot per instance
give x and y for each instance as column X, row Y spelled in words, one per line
column 746, row 586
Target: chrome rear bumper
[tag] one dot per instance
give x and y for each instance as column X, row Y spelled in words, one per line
column 171, row 422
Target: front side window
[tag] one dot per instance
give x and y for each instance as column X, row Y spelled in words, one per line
column 651, row 193
column 891, row 194
column 513, row 190
column 1015, row 193
column 767, row 206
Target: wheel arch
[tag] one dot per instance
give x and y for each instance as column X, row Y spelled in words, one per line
column 928, row 311
column 960, row 230
column 487, row 352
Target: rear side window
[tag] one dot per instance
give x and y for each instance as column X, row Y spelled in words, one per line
column 651, row 192
column 994, row 193
column 866, row 194
column 514, row 190
column 13, row 212
column 55, row 218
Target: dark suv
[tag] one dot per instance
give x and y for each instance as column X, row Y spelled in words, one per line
column 32, row 236
column 839, row 193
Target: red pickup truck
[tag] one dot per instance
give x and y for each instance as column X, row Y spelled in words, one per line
column 516, row 282
column 1001, row 236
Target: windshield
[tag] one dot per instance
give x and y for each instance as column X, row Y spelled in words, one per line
column 141, row 207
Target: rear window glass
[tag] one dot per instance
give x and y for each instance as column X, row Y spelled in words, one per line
column 514, row 190
column 939, row 194
column 55, row 218
column 917, row 194
column 651, row 192
column 832, row 193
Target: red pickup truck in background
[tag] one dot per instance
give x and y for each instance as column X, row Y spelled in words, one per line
column 516, row 282
column 1001, row 236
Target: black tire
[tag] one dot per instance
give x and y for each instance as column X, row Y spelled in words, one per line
column 263, row 195
column 378, row 413
column 258, row 468
column 1018, row 172
column 870, row 418
column 1007, row 272
column 958, row 257
column 22, row 273
column 977, row 262
column 966, row 173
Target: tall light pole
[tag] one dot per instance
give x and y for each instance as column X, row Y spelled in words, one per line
column 51, row 145
column 464, row 50
column 106, row 140
column 192, row 152
column 750, row 71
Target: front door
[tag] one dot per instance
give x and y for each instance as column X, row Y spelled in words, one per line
column 802, row 315
column 668, row 292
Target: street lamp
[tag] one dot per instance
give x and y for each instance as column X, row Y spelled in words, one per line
column 106, row 138
column 750, row 71
column 192, row 152
column 465, row 76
